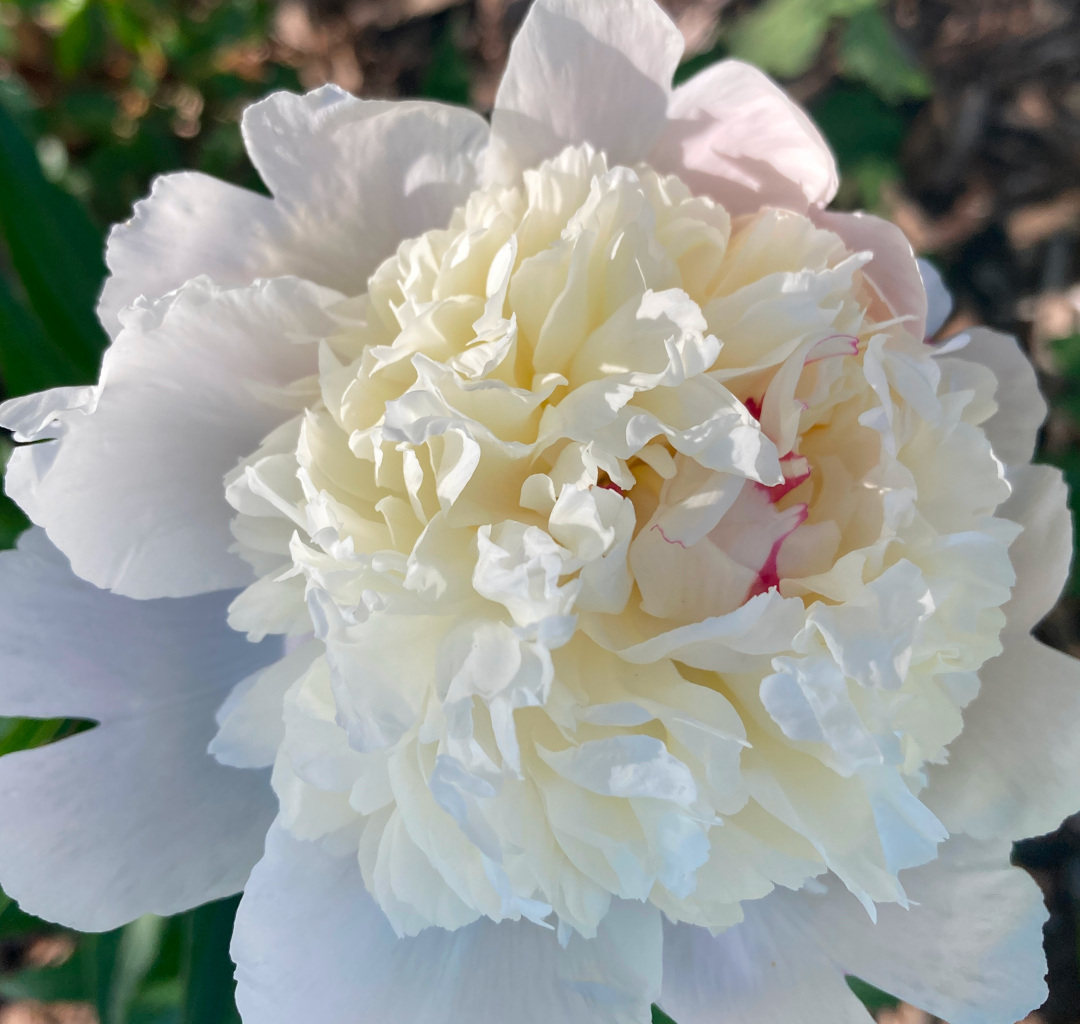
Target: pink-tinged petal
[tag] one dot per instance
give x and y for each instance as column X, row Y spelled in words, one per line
column 131, row 486
column 769, row 575
column 796, row 471
column 769, row 969
column 754, row 530
column 832, row 346
column 581, row 71
column 133, row 816
column 1015, row 769
column 350, row 180
column 894, row 270
column 1014, row 429
column 1043, row 553
column 967, row 950
column 733, row 134
column 308, row 935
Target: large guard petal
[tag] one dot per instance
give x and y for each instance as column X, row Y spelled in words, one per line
column 133, row 816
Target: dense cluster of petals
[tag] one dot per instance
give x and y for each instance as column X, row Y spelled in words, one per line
column 599, row 604
column 557, row 554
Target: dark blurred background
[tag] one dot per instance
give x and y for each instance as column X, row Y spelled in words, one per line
column 957, row 119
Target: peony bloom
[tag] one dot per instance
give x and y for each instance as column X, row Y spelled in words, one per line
column 590, row 587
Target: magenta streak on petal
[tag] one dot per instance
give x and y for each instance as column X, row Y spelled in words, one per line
column 799, row 469
column 657, row 526
column 769, row 574
column 609, row 486
column 753, row 406
column 851, row 349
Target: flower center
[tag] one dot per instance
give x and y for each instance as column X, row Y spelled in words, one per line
column 627, row 542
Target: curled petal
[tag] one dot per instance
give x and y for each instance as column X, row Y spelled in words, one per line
column 893, row 271
column 187, row 389
column 350, row 178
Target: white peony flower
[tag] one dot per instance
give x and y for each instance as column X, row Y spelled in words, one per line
column 639, row 607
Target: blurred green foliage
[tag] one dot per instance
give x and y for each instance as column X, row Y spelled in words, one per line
column 134, row 88
column 96, row 98
column 1065, row 401
column 152, row 971
column 785, row 38
column 875, row 86
column 99, row 96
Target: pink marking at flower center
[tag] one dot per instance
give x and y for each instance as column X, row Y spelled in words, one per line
column 769, row 574
column 753, row 406
column 796, row 471
column 827, row 348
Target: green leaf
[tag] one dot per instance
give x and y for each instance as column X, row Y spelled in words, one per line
column 12, row 520
column 101, row 952
column 782, row 37
column 73, row 43
column 208, row 975
column 700, row 61
column 859, row 125
column 659, row 1017
column 1066, row 353
column 29, row 358
column 14, row 921
column 69, row 981
column 54, row 249
column 28, row 733
column 140, row 944
column 448, row 76
column 872, row 998
column 871, row 52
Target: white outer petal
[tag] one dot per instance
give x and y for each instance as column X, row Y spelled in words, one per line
column 289, row 137
column 969, row 950
column 732, row 133
column 1042, row 554
column 582, row 71
column 1013, row 429
column 310, row 939
column 363, row 177
column 939, row 301
column 132, row 491
column 134, row 816
column 350, row 180
column 190, row 224
column 1015, row 769
column 769, row 969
